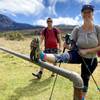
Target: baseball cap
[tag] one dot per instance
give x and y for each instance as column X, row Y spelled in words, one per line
column 86, row 7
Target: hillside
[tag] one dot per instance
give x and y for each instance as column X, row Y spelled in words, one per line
column 7, row 24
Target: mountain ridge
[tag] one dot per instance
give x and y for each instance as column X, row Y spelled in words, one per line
column 7, row 24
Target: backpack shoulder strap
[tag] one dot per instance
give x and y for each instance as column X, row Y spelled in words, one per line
column 45, row 31
column 76, row 32
column 56, row 34
column 97, row 29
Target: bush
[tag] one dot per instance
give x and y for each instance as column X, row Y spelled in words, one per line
column 14, row 36
column 1, row 34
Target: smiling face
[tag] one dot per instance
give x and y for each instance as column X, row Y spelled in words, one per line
column 87, row 15
column 49, row 22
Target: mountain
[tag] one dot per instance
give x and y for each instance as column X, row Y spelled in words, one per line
column 8, row 24
column 65, row 28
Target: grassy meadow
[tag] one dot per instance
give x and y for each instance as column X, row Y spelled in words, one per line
column 17, row 82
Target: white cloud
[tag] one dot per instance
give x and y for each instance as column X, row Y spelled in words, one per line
column 87, row 1
column 84, row 1
column 60, row 20
column 40, row 22
column 51, row 7
column 65, row 20
column 21, row 6
column 27, row 7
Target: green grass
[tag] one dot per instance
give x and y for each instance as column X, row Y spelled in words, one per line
column 17, row 82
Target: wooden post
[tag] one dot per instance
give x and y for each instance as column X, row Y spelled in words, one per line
column 77, row 94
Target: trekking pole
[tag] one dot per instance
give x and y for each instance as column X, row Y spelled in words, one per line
column 91, row 75
column 55, row 80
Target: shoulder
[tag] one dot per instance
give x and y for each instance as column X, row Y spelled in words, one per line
column 42, row 32
column 57, row 30
column 77, row 28
column 97, row 27
column 44, row 29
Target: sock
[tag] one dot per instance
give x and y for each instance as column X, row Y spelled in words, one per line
column 83, row 98
column 42, row 56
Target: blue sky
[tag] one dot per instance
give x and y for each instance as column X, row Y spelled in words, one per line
column 36, row 12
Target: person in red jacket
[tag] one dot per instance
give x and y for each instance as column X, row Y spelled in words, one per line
column 52, row 42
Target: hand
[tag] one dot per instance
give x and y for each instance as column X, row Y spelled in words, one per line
column 65, row 46
column 59, row 50
column 41, row 48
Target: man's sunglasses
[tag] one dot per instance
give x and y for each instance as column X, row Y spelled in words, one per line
column 49, row 21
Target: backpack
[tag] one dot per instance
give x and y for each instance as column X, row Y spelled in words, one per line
column 34, row 46
column 55, row 32
column 97, row 30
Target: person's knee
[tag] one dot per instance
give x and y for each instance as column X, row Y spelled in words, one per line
column 62, row 57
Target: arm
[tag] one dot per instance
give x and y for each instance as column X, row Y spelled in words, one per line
column 67, row 46
column 42, row 38
column 91, row 50
column 41, row 41
column 59, row 38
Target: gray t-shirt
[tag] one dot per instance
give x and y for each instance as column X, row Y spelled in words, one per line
column 85, row 40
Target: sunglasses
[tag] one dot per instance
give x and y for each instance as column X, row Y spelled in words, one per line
column 49, row 21
column 86, row 12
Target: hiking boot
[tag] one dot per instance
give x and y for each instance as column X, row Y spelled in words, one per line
column 38, row 74
column 35, row 49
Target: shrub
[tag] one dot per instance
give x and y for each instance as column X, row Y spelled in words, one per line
column 14, row 36
column 1, row 34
